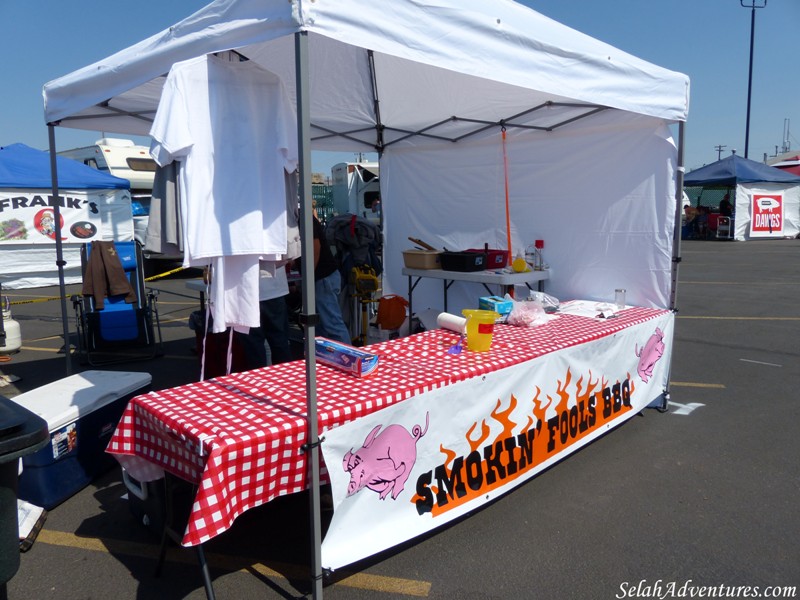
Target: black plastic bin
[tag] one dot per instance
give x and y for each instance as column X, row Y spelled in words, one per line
column 21, row 433
column 463, row 261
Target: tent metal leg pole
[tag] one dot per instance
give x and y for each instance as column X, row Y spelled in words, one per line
column 309, row 303
column 676, row 244
column 51, row 133
column 676, row 233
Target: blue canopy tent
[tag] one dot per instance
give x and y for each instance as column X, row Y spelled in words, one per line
column 766, row 201
column 24, row 167
column 26, row 179
column 734, row 169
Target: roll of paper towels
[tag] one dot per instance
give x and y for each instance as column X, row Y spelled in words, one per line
column 452, row 322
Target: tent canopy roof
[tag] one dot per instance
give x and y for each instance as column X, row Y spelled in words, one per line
column 24, row 167
column 381, row 73
column 734, row 169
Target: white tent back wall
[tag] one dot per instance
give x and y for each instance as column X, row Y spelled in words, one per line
column 744, row 209
column 600, row 194
column 24, row 266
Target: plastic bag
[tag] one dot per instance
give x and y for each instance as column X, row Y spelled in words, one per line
column 535, row 310
column 526, row 314
column 549, row 303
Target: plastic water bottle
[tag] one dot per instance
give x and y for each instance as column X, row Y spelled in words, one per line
column 530, row 256
column 538, row 263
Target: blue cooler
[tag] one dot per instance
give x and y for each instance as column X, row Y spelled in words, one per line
column 82, row 412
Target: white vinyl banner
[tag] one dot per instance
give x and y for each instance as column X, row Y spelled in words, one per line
column 419, row 464
column 27, row 234
column 28, row 217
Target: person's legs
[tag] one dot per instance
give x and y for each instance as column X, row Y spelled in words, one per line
column 255, row 352
column 275, row 325
column 331, row 325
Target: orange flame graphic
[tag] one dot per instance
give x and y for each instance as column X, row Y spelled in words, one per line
column 510, row 455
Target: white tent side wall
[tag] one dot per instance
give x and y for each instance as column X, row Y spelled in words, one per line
column 601, row 195
column 744, row 204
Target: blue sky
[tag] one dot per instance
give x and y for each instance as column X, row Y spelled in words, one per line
column 709, row 40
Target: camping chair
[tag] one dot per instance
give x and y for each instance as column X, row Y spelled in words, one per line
column 122, row 329
column 724, row 228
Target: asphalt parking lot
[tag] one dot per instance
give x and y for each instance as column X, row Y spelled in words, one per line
column 705, row 494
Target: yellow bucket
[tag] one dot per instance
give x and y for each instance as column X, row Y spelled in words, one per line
column 480, row 327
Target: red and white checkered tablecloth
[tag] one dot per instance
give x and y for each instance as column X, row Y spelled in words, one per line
column 510, row 345
column 240, row 437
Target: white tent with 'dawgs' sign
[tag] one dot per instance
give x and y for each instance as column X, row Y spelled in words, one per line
column 766, row 201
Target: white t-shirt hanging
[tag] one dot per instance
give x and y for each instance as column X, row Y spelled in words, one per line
column 233, row 293
column 234, row 129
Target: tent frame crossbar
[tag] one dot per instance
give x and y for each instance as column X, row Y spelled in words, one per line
column 379, row 128
column 376, row 102
column 135, row 115
column 381, row 144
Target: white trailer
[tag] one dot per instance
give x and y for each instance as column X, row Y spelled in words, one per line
column 356, row 189
column 123, row 158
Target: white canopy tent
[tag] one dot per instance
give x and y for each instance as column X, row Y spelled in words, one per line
column 430, row 85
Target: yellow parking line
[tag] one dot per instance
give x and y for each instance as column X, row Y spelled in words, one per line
column 717, row 386
column 364, row 581
column 37, row 349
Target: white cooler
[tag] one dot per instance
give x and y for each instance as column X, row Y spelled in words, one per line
column 82, row 412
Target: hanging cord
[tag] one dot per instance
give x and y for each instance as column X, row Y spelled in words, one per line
column 230, row 352
column 207, row 311
column 508, row 213
column 510, row 257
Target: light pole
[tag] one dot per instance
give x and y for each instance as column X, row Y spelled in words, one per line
column 753, row 5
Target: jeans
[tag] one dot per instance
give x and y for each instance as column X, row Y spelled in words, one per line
column 274, row 332
column 331, row 325
column 275, row 325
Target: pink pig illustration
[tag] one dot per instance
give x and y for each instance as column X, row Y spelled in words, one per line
column 649, row 355
column 384, row 462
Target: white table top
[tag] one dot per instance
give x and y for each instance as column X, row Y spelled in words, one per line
column 197, row 285
column 490, row 276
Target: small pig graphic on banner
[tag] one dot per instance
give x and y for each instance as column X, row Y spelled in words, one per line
column 649, row 355
column 384, row 462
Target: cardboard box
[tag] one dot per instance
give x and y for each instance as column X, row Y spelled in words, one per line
column 345, row 358
column 495, row 303
column 421, row 259
column 82, row 412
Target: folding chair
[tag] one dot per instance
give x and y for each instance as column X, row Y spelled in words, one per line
column 116, row 326
column 724, row 228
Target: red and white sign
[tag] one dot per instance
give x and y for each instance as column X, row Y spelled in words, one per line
column 767, row 215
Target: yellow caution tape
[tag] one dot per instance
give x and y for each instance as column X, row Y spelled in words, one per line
column 48, row 299
column 159, row 276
